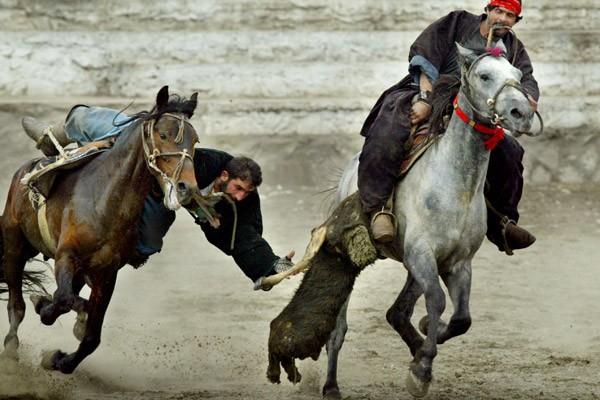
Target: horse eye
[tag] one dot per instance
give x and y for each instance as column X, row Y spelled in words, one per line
column 484, row 77
column 163, row 136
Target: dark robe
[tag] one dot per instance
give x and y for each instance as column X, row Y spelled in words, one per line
column 387, row 126
column 251, row 252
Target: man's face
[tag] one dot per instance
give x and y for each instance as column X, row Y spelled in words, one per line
column 501, row 16
column 236, row 188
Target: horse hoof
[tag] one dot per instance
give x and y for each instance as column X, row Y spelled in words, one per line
column 50, row 358
column 10, row 350
column 39, row 301
column 415, row 386
column 80, row 326
column 332, row 394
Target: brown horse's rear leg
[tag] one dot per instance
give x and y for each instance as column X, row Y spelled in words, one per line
column 102, row 291
column 14, row 259
column 63, row 298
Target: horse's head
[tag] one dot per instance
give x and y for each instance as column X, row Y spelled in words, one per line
column 169, row 140
column 491, row 86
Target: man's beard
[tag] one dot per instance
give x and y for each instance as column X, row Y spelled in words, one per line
column 221, row 186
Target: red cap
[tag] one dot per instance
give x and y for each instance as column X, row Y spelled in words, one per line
column 511, row 5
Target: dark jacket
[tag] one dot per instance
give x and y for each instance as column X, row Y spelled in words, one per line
column 434, row 52
column 251, row 252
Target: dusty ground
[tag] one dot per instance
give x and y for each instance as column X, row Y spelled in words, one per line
column 188, row 325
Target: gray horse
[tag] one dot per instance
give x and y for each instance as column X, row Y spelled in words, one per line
column 441, row 215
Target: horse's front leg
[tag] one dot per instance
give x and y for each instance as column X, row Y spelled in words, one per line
column 333, row 346
column 458, row 282
column 102, row 291
column 80, row 307
column 399, row 314
column 63, row 299
column 422, row 265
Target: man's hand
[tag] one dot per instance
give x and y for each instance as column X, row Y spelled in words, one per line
column 419, row 112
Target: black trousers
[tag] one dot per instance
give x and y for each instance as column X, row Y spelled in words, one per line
column 383, row 151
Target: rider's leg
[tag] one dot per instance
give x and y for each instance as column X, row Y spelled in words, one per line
column 83, row 125
column 379, row 167
column 503, row 191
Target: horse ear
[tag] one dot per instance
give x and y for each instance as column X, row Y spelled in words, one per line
column 190, row 105
column 162, row 98
column 465, row 56
column 500, row 45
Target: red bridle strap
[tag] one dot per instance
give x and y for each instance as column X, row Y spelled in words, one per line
column 496, row 133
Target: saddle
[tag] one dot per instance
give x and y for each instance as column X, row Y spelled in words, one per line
column 41, row 177
column 40, row 180
column 417, row 144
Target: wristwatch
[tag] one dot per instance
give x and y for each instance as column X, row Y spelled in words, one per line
column 424, row 95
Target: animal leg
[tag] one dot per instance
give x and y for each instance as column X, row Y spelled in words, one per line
column 63, row 298
column 459, row 288
column 333, row 346
column 14, row 259
column 399, row 314
column 422, row 265
column 80, row 307
column 102, row 291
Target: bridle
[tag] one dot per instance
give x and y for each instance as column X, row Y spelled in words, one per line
column 152, row 153
column 490, row 115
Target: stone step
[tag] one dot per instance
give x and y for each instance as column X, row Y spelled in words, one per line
column 49, row 73
column 97, row 50
column 577, row 116
column 184, row 15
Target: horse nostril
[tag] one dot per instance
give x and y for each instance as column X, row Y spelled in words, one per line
column 516, row 113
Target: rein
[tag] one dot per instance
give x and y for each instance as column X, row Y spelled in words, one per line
column 152, row 153
column 496, row 132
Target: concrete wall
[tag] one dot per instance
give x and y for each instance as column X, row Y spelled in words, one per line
column 287, row 67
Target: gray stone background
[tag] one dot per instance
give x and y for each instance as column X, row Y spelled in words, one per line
column 288, row 82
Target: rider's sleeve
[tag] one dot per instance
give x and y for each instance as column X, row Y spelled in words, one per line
column 251, row 251
column 528, row 82
column 433, row 46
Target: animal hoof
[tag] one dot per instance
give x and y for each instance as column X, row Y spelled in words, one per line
column 80, row 325
column 415, row 386
column 10, row 350
column 50, row 359
column 332, row 394
column 39, row 301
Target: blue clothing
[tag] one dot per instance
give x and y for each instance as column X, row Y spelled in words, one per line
column 90, row 124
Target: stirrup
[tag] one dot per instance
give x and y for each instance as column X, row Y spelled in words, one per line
column 503, row 223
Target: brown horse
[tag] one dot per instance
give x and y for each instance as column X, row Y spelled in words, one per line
column 92, row 217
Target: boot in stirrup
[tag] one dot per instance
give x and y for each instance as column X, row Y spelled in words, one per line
column 510, row 236
column 40, row 132
column 383, row 227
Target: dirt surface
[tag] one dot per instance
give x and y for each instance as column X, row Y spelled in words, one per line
column 188, row 325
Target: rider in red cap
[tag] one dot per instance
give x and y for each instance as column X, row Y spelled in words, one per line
column 407, row 104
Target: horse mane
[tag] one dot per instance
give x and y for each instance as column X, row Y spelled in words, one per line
column 445, row 88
